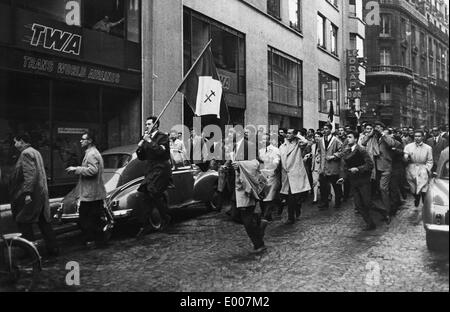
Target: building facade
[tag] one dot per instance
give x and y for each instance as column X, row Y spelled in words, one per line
column 65, row 68
column 407, row 72
column 280, row 61
column 62, row 72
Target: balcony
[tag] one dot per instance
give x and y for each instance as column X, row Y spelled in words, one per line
column 406, row 7
column 420, row 79
column 438, row 83
column 390, row 70
column 434, row 30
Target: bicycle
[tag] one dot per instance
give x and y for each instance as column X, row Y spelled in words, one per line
column 20, row 261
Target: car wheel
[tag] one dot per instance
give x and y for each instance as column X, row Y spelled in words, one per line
column 435, row 241
column 155, row 219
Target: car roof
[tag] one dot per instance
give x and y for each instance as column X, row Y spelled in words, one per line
column 127, row 149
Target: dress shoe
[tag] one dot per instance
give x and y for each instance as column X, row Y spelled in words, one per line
column 143, row 231
column 370, row 227
column 259, row 250
column 289, row 222
column 165, row 224
column 337, row 206
column 323, row 207
column 387, row 219
column 315, row 202
column 90, row 245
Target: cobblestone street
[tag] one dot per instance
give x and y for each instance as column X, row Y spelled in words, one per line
column 325, row 251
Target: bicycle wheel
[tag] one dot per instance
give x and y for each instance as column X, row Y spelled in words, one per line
column 20, row 264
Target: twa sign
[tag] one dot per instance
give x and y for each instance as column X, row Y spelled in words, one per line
column 55, row 39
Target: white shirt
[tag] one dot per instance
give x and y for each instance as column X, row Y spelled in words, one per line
column 353, row 147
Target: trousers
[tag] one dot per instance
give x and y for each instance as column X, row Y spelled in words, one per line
column 362, row 199
column 46, row 229
column 252, row 225
column 324, row 181
column 91, row 222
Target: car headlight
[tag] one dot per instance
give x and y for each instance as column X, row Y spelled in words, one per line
column 439, row 213
column 114, row 205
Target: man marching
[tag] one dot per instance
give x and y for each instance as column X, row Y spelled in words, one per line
column 154, row 148
column 294, row 179
column 357, row 169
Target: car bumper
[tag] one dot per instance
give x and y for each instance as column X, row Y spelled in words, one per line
column 118, row 214
column 443, row 228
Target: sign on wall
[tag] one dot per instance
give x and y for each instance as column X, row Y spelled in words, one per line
column 353, row 82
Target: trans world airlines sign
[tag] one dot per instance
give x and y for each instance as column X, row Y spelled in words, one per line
column 55, row 39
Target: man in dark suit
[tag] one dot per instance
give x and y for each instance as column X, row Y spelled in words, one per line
column 154, row 148
column 384, row 142
column 438, row 143
column 357, row 167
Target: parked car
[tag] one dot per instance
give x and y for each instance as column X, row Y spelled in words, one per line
column 435, row 209
column 124, row 173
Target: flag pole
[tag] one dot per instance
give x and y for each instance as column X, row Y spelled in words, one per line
column 181, row 83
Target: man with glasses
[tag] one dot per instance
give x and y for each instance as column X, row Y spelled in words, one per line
column 92, row 192
column 438, row 143
column 154, row 148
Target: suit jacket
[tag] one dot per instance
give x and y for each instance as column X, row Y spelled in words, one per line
column 158, row 168
column 293, row 172
column 437, row 147
column 92, row 187
column 381, row 150
column 29, row 178
column 330, row 167
column 359, row 158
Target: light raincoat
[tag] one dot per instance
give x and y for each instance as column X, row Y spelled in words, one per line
column 419, row 168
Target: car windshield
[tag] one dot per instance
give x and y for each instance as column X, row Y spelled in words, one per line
column 116, row 161
column 444, row 171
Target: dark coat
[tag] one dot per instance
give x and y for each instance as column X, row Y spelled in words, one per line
column 437, row 147
column 158, row 169
column 29, row 178
column 359, row 158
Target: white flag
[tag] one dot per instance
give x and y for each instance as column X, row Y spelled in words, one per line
column 209, row 94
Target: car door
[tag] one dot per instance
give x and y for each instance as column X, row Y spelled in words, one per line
column 183, row 180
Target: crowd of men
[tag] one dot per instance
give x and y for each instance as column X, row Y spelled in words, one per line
column 375, row 165
column 260, row 169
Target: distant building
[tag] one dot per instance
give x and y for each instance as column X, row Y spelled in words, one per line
column 407, row 70
column 281, row 61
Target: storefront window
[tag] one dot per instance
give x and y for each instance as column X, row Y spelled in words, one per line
column 55, row 114
column 24, row 107
column 285, row 79
column 328, row 91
